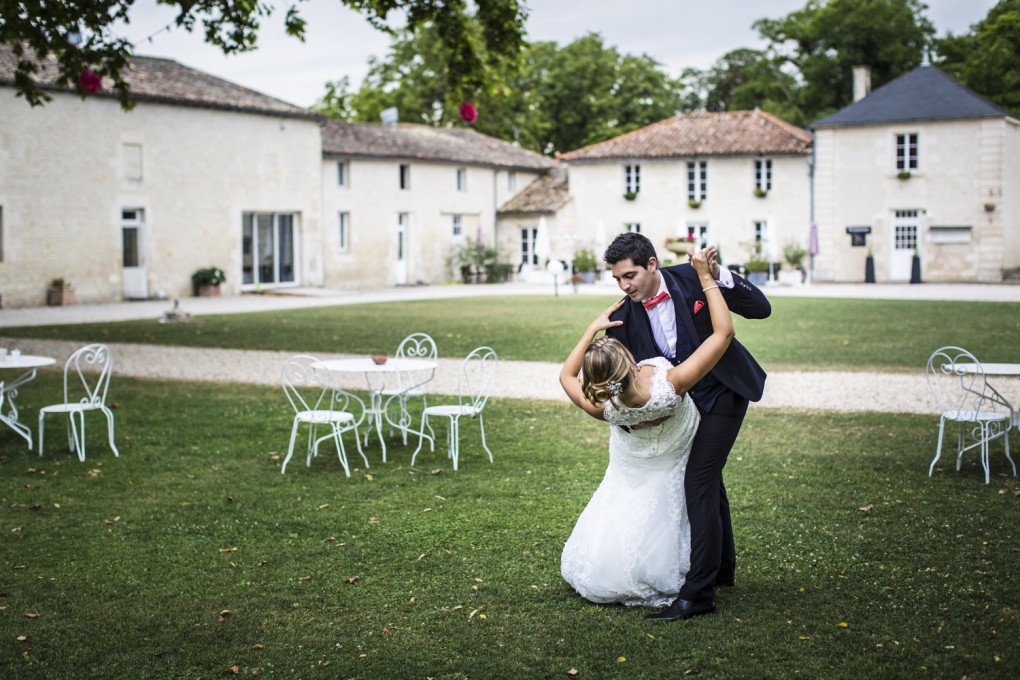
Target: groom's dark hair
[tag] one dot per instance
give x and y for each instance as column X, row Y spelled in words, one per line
column 630, row 246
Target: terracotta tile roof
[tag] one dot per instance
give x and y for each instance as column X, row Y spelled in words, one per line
column 730, row 133
column 545, row 194
column 411, row 141
column 168, row 82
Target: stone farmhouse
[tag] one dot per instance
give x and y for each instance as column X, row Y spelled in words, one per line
column 739, row 179
column 203, row 172
column 921, row 166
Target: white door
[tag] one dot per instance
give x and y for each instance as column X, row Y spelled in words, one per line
column 132, row 229
column 903, row 246
column 400, row 270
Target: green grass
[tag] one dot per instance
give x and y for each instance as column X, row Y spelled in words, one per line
column 190, row 553
column 802, row 332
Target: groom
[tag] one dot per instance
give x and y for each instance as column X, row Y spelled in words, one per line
column 667, row 316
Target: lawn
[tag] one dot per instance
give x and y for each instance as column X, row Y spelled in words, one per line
column 803, row 333
column 192, row 556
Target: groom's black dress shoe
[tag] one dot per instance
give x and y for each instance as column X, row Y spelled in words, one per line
column 682, row 609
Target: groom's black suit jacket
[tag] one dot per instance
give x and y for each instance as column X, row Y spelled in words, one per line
column 737, row 369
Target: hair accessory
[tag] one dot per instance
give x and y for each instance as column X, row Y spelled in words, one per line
column 614, row 387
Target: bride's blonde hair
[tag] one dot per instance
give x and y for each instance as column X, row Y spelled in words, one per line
column 606, row 370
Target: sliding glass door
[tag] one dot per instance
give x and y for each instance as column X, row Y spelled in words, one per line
column 268, row 251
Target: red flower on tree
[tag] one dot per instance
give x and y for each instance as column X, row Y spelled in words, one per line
column 468, row 113
column 89, row 81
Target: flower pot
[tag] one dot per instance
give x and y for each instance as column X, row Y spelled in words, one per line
column 869, row 269
column 679, row 247
column 59, row 297
column 209, row 290
column 758, row 278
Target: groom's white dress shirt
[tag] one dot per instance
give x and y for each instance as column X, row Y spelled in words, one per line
column 663, row 316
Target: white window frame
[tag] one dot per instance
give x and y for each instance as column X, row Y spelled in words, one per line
column 511, row 180
column 907, row 144
column 763, row 174
column 457, row 225
column 906, row 229
column 462, row 179
column 529, row 237
column 698, row 232
column 632, row 178
column 761, row 235
column 632, row 227
column 343, row 174
column 344, row 231
column 697, row 180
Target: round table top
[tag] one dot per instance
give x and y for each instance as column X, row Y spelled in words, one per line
column 26, row 361
column 366, row 365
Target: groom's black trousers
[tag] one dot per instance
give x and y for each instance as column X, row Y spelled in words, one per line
column 712, row 551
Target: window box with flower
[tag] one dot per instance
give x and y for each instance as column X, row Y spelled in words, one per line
column 679, row 245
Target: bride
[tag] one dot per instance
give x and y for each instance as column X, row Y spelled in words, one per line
column 632, row 543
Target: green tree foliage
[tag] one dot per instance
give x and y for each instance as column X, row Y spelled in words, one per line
column 744, row 79
column 77, row 34
column 822, row 42
column 559, row 99
column 987, row 59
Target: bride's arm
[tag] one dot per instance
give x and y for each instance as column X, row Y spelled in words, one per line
column 684, row 376
column 572, row 366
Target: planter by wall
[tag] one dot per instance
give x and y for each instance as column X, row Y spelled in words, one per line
column 60, row 297
column 209, row 290
column 758, row 278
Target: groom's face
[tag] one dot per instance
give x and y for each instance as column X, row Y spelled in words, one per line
column 637, row 283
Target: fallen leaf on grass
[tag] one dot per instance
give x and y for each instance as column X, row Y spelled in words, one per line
column 440, row 498
column 387, row 632
column 22, row 638
column 369, row 478
column 224, row 614
column 436, row 472
column 226, row 550
column 473, row 612
column 867, row 508
column 31, row 615
column 353, row 579
column 323, row 506
column 572, row 671
column 373, row 519
column 621, row 659
column 258, row 645
column 421, row 557
column 844, row 624
column 233, row 669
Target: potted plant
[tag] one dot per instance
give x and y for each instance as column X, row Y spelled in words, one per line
column 60, row 293
column 630, row 195
column 693, row 203
column 793, row 255
column 757, row 270
column 679, row 244
column 869, row 267
column 585, row 264
column 903, row 174
column 207, row 280
column 760, row 193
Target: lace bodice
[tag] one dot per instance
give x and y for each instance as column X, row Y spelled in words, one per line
column 662, row 402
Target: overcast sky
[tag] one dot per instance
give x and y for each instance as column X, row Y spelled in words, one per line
column 339, row 42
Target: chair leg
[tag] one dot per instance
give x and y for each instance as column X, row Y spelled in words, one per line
column 357, row 440
column 421, row 438
column 481, row 426
column 310, row 445
column 109, row 422
column 79, row 434
column 938, row 450
column 1005, row 441
column 984, row 452
column 341, row 452
column 290, row 449
column 455, row 441
column 42, row 418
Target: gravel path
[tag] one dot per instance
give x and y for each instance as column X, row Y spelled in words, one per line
column 821, row 390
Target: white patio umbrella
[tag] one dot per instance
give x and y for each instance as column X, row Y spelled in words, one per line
column 812, row 249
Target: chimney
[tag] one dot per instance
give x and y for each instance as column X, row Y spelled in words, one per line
column 389, row 116
column 862, row 82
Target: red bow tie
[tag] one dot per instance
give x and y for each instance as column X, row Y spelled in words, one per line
column 651, row 302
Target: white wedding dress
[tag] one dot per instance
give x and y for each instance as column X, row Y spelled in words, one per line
column 632, row 542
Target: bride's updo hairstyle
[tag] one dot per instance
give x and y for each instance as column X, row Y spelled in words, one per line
column 606, row 370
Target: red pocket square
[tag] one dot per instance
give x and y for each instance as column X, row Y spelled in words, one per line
column 698, row 304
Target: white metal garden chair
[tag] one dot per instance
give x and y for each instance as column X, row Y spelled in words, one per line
column 411, row 383
column 963, row 395
column 86, row 380
column 319, row 403
column 474, row 384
